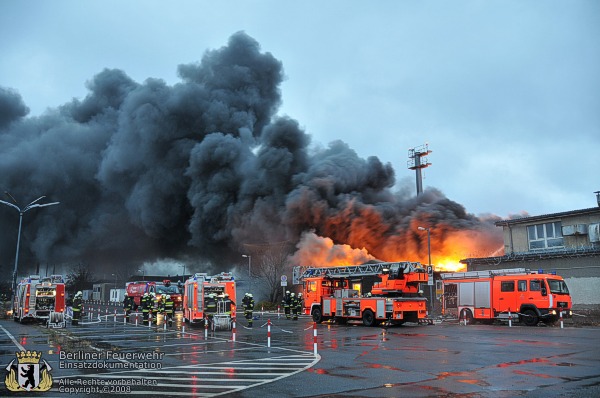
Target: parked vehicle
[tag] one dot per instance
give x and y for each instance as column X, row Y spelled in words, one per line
column 527, row 296
column 371, row 293
column 40, row 298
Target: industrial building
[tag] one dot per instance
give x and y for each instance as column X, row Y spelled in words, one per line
column 567, row 243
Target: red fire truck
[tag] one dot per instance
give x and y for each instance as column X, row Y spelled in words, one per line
column 196, row 290
column 40, row 299
column 137, row 290
column 485, row 296
column 371, row 293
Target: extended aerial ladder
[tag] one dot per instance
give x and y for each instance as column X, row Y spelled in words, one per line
column 376, row 292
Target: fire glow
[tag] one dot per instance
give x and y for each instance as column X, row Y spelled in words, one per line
column 447, row 249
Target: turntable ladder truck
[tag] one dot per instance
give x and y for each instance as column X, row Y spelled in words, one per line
column 371, row 293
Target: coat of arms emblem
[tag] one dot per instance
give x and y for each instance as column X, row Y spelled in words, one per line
column 28, row 374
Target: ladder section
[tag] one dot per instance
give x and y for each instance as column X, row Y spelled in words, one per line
column 353, row 270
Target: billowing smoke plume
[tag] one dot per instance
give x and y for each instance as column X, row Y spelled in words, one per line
column 196, row 170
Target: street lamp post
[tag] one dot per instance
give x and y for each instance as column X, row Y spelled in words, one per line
column 249, row 269
column 183, row 276
column 21, row 212
column 432, row 285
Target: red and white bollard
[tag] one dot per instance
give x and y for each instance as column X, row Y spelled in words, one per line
column 509, row 319
column 315, row 338
column 206, row 328
column 115, row 317
column 561, row 320
column 269, row 333
column 233, row 326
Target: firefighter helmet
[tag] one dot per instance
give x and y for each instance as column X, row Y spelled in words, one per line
column 287, row 292
column 293, row 294
column 79, row 294
column 168, row 297
column 249, row 294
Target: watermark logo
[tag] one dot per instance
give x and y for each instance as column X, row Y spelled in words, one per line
column 28, row 374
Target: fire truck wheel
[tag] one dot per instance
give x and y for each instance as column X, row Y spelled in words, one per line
column 467, row 315
column 317, row 315
column 530, row 318
column 368, row 318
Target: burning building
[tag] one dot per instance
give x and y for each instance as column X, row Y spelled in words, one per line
column 197, row 169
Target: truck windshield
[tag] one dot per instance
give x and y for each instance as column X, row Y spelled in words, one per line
column 172, row 289
column 558, row 286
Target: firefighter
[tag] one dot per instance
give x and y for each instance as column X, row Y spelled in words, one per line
column 286, row 304
column 169, row 309
column 159, row 307
column 211, row 303
column 76, row 308
column 155, row 306
column 127, row 306
column 294, row 306
column 228, row 304
column 300, row 303
column 248, row 303
column 145, row 303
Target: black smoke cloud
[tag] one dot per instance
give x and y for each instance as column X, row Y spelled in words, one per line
column 191, row 171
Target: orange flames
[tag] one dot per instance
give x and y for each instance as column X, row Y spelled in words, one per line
column 448, row 247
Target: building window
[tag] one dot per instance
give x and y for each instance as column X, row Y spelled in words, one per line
column 545, row 236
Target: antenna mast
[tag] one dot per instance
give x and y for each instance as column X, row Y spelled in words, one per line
column 418, row 161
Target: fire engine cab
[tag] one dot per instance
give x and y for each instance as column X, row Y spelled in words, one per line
column 371, row 293
column 196, row 295
column 139, row 288
column 491, row 295
column 40, row 299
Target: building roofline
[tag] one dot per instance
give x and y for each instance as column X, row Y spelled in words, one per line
column 523, row 220
column 533, row 256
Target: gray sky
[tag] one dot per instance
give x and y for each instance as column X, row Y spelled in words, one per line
column 506, row 93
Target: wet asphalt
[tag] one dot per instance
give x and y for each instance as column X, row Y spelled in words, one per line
column 444, row 359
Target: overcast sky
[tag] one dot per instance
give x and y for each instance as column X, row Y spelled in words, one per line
column 506, row 93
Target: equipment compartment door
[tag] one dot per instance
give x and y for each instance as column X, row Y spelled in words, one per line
column 482, row 294
column 380, row 309
column 466, row 294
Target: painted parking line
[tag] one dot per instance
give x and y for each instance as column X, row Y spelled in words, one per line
column 187, row 377
column 209, row 380
column 12, row 338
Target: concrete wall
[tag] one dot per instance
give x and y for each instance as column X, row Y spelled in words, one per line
column 584, row 290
